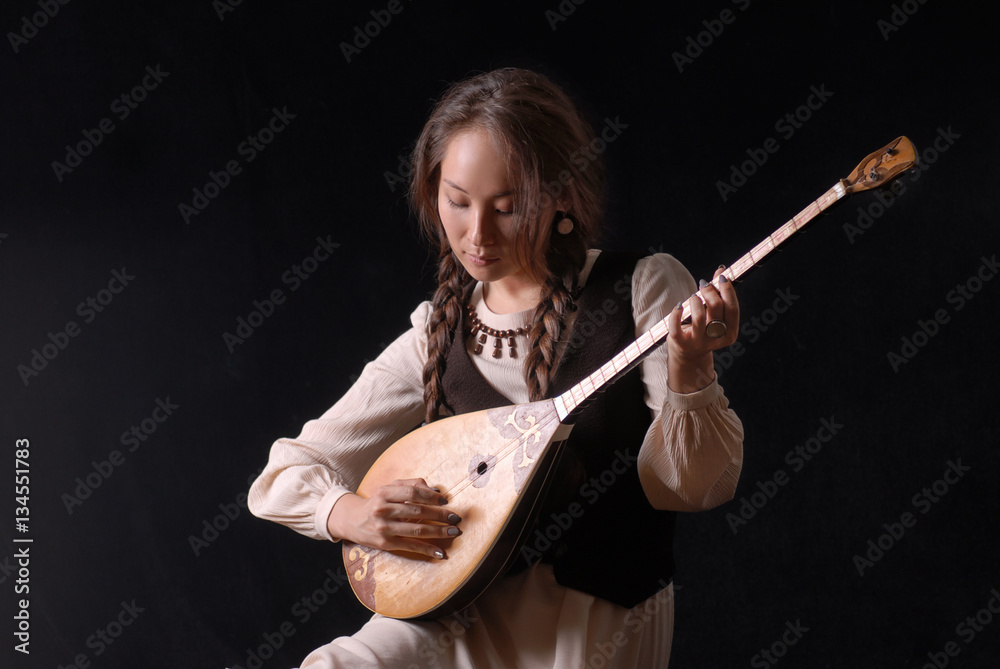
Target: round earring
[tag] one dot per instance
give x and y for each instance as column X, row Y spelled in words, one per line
column 564, row 223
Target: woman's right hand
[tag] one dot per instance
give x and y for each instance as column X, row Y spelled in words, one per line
column 402, row 515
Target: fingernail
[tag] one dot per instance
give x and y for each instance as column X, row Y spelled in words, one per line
column 702, row 283
column 442, row 500
column 454, row 531
column 436, row 489
column 680, row 305
column 454, row 519
column 439, row 555
column 723, row 279
column 722, row 267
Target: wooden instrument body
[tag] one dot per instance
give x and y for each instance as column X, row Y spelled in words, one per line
column 492, row 466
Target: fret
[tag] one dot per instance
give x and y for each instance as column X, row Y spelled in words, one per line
column 782, row 234
column 593, row 382
column 740, row 267
column 562, row 411
column 758, row 252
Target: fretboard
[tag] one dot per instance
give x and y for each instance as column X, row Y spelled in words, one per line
column 632, row 354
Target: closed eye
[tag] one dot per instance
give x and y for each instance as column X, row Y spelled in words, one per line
column 456, row 205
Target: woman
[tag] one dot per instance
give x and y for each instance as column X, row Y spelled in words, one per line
column 503, row 188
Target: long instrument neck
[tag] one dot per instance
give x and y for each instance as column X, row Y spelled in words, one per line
column 632, row 354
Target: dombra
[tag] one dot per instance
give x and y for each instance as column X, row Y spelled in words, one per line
column 493, row 465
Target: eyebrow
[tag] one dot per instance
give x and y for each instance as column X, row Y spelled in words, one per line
column 457, row 187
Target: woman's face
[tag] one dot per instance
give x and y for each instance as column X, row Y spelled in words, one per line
column 476, row 203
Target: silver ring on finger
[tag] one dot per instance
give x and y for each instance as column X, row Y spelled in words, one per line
column 716, row 329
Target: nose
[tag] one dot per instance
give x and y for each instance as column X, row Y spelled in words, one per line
column 482, row 232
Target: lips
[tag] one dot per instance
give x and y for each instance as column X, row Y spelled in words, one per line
column 481, row 261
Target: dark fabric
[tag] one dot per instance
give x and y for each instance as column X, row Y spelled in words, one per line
column 596, row 526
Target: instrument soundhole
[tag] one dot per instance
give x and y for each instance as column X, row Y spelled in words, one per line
column 480, row 467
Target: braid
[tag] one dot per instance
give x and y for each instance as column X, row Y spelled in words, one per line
column 447, row 305
column 568, row 254
column 546, row 329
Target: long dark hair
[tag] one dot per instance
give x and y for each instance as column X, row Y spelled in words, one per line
column 533, row 122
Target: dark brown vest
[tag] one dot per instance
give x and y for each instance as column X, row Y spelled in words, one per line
column 596, row 527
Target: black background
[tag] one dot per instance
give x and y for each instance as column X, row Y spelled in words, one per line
column 325, row 175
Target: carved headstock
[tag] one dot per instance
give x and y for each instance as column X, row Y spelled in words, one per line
column 882, row 166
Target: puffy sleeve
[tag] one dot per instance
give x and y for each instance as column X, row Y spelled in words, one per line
column 305, row 476
column 693, row 452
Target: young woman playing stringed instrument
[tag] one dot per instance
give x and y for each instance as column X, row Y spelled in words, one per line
column 525, row 307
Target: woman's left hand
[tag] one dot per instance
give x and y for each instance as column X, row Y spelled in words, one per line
column 690, row 347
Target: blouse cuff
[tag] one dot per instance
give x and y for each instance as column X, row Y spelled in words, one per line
column 323, row 509
column 699, row 399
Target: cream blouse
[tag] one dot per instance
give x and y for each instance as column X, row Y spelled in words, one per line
column 690, row 459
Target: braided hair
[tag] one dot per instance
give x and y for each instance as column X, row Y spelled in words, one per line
column 546, row 139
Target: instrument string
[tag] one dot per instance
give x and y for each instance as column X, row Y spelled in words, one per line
column 508, row 450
